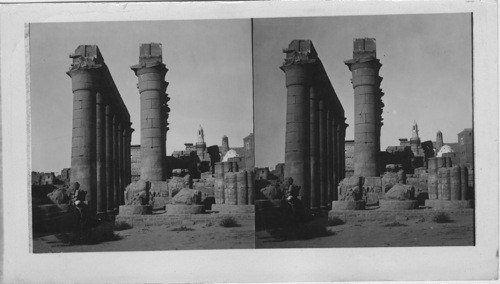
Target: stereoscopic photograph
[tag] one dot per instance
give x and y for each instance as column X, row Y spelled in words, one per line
column 253, row 141
column 363, row 130
column 137, row 128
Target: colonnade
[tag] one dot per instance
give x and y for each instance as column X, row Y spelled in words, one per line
column 315, row 127
column 101, row 136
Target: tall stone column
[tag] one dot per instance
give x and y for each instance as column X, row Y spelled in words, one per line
column 129, row 158
column 124, row 163
column 297, row 70
column 110, row 184
column 323, row 151
column 151, row 75
column 329, row 160
column 83, row 148
column 121, row 181
column 116, row 172
column 366, row 81
column 343, row 127
column 101, row 153
column 314, row 146
column 335, row 160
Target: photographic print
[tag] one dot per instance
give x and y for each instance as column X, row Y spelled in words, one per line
column 254, row 141
column 363, row 131
column 134, row 126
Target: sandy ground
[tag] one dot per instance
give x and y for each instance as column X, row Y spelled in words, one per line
column 460, row 232
column 203, row 236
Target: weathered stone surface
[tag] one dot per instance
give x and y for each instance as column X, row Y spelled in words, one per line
column 158, row 194
column 432, row 185
column 389, row 179
column 154, row 110
column 175, row 184
column 187, row 197
column 444, row 189
column 126, row 210
column 420, row 171
column 137, row 193
column 400, row 192
column 348, row 205
column 388, row 204
column 231, row 209
column 206, row 192
column 271, row 192
column 367, row 106
column 419, row 183
column 372, row 189
column 181, row 209
column 350, row 188
column 455, row 180
column 59, row 196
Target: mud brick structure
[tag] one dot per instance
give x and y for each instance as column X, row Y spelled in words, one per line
column 154, row 111
column 315, row 127
column 100, row 153
column 367, row 106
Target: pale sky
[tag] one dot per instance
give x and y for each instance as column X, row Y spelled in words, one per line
column 210, row 76
column 426, row 70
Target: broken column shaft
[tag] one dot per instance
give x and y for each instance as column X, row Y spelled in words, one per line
column 367, row 107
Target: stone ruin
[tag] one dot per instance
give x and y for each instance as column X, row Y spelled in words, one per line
column 233, row 188
column 315, row 127
column 100, row 155
column 438, row 185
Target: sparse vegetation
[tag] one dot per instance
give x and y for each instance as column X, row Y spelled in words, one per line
column 441, row 217
column 228, row 222
column 120, row 226
column 335, row 221
column 395, row 224
column 182, row 228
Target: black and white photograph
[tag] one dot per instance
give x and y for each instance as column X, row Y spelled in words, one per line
column 132, row 126
column 364, row 131
column 249, row 141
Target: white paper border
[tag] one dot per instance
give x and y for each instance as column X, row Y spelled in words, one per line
column 278, row 265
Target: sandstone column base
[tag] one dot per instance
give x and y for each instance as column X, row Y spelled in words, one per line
column 398, row 204
column 135, row 210
column 233, row 209
column 178, row 209
column 348, row 205
column 438, row 204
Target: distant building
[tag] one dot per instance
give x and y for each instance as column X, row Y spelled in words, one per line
column 197, row 158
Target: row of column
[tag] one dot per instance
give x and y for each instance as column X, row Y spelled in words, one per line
column 101, row 136
column 315, row 127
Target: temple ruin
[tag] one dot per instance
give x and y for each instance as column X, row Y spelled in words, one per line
column 367, row 106
column 151, row 73
column 100, row 151
column 315, row 127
